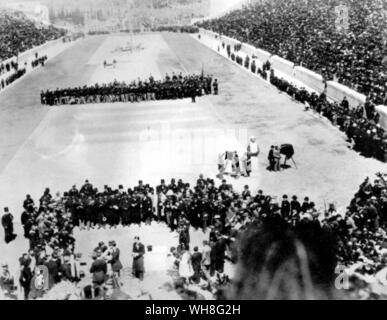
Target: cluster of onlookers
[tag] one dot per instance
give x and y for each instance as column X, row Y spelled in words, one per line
column 310, row 33
column 7, row 67
column 361, row 238
column 39, row 61
column 97, row 33
column 361, row 125
column 171, row 87
column 359, row 234
column 182, row 29
column 18, row 34
column 13, row 77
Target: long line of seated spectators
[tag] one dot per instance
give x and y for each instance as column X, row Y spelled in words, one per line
column 361, row 125
column 175, row 87
column 18, row 34
column 359, row 233
column 306, row 33
column 181, row 29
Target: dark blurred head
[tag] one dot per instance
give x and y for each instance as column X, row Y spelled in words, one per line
column 278, row 262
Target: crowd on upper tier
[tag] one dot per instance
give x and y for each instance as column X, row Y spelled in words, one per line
column 18, row 34
column 307, row 33
column 359, row 233
column 171, row 87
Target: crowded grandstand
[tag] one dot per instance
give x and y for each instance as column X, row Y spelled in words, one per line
column 200, row 166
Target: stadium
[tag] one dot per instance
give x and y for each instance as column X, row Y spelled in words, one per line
column 151, row 153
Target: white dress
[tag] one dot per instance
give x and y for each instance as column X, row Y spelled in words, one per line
column 185, row 268
column 228, row 167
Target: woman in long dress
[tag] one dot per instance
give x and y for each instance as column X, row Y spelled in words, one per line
column 228, row 163
column 185, row 267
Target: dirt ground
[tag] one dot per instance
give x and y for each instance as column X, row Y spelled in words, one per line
column 123, row 143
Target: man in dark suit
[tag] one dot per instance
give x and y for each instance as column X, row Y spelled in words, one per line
column 7, row 223
column 115, row 258
column 220, row 253
column 53, row 266
column 196, row 261
column 26, row 276
column 285, row 207
column 216, row 87
column 270, row 157
column 99, row 269
column 138, row 259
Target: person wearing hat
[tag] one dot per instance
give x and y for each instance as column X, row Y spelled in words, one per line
column 295, row 205
column 196, row 262
column 28, row 203
column 115, row 262
column 138, row 259
column 140, row 188
column 305, row 205
column 224, row 186
column 26, row 275
column 253, row 148
column 53, row 266
column 219, row 251
column 162, row 188
column 270, row 157
column 7, row 223
column 246, row 193
column 285, row 207
column 184, row 237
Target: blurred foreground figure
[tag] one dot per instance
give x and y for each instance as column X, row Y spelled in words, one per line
column 279, row 262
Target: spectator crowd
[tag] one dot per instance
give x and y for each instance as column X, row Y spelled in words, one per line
column 359, row 234
column 313, row 34
column 361, row 125
column 18, row 34
column 171, row 87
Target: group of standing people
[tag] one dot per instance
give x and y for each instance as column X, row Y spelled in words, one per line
column 230, row 164
column 274, row 158
column 220, row 209
column 170, row 88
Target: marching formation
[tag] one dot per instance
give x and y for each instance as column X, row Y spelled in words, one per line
column 170, row 88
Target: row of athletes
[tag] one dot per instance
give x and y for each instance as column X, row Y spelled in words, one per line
column 169, row 88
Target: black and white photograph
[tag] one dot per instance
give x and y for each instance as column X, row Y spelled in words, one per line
column 201, row 150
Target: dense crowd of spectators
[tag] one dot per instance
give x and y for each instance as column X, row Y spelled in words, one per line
column 18, row 34
column 361, row 125
column 182, row 29
column 358, row 235
column 171, row 87
column 307, row 33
